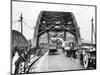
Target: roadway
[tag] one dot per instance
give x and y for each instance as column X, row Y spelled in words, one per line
column 58, row 62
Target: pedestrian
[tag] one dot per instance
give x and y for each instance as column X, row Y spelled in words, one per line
column 72, row 50
column 22, row 58
column 15, row 56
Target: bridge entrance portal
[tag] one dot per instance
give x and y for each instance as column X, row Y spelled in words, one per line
column 56, row 24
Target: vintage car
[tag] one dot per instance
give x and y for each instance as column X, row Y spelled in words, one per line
column 52, row 49
column 88, row 57
column 53, row 46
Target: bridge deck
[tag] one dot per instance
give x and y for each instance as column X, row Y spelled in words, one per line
column 57, row 62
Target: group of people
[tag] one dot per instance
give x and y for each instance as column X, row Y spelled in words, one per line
column 22, row 55
column 69, row 49
column 19, row 55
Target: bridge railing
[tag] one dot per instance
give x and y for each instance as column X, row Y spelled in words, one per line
column 26, row 66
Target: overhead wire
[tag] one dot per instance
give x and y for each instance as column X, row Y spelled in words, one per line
column 82, row 11
column 16, row 21
column 28, row 25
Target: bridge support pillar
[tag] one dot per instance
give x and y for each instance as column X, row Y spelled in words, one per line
column 48, row 36
column 64, row 35
column 37, row 42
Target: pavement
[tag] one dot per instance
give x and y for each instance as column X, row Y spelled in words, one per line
column 57, row 62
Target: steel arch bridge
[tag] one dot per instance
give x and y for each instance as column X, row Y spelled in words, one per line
column 57, row 22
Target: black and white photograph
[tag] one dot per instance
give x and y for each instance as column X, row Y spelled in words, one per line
column 52, row 37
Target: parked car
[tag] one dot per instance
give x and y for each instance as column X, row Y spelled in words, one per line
column 88, row 57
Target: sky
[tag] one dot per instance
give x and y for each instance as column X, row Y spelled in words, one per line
column 30, row 12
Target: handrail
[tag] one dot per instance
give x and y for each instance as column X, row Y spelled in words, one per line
column 33, row 62
column 36, row 60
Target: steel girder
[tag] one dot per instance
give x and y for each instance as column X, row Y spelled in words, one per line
column 56, row 21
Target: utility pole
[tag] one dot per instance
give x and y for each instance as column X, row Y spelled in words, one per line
column 92, row 31
column 21, row 20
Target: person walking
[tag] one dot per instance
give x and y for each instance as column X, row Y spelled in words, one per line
column 22, row 58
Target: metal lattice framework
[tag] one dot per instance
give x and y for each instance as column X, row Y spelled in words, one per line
column 56, row 21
